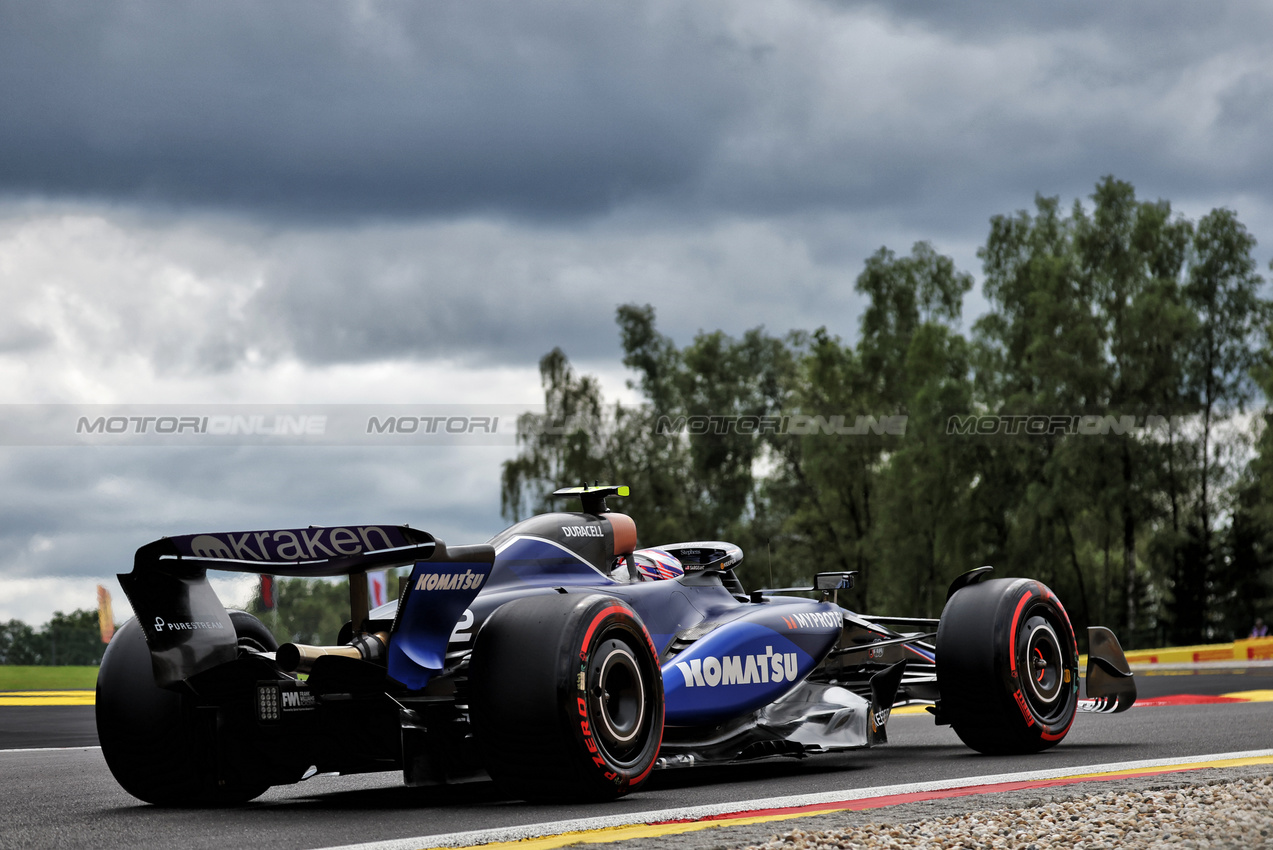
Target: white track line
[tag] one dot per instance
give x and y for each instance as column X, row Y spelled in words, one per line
column 539, row 830
column 49, row 749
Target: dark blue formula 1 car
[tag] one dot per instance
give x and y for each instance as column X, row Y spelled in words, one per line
column 558, row 659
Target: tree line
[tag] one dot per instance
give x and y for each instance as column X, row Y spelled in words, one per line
column 1094, row 429
column 74, row 638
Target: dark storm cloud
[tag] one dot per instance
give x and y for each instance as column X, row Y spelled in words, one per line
column 340, row 108
column 1155, row 88
column 466, row 294
column 480, row 293
column 530, row 166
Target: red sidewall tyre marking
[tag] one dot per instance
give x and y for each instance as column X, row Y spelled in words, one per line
column 613, row 773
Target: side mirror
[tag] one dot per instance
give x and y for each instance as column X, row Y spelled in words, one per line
column 833, row 581
column 822, row 583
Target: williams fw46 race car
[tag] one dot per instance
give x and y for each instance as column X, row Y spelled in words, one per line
column 559, row 660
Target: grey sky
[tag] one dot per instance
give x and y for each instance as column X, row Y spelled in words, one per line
column 413, row 201
column 569, row 110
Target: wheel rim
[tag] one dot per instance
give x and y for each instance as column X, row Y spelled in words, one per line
column 249, row 642
column 617, row 697
column 1041, row 662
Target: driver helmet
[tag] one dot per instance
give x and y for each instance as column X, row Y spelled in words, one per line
column 657, row 564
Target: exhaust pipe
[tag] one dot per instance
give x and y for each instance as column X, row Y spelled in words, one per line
column 300, row 658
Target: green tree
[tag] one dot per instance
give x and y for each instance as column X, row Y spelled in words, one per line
column 883, row 504
column 1244, row 573
column 74, row 638
column 689, row 462
column 821, row 493
column 1120, row 314
column 1128, row 311
column 19, row 644
column 1134, row 253
column 649, row 449
column 564, row 446
column 1040, row 354
column 309, row 611
column 923, row 534
column 1223, row 290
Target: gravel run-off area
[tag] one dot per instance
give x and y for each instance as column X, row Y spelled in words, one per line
column 1212, row 807
column 1218, row 814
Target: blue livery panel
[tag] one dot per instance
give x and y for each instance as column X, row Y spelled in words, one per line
column 748, row 662
column 438, row 594
column 536, row 562
column 669, row 608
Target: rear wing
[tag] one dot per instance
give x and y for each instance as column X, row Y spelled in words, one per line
column 185, row 624
column 307, row 552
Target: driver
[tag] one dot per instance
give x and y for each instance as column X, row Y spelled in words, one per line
column 647, row 565
column 657, row 564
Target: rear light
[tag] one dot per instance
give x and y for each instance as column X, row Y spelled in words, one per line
column 268, row 703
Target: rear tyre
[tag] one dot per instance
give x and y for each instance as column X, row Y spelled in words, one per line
column 1007, row 667
column 150, row 735
column 251, row 633
column 566, row 698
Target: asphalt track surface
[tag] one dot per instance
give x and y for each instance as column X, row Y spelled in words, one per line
column 67, row 797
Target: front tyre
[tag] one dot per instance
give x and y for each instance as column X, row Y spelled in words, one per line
column 1007, row 667
column 150, row 735
column 566, row 697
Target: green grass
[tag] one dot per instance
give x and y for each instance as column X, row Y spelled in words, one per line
column 17, row 678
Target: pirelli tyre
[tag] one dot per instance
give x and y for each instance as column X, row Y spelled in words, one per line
column 149, row 734
column 1007, row 666
column 566, row 697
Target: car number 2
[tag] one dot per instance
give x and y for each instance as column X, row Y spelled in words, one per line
column 460, row 634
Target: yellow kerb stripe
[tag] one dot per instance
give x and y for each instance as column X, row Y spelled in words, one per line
column 48, row 697
column 626, row 833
